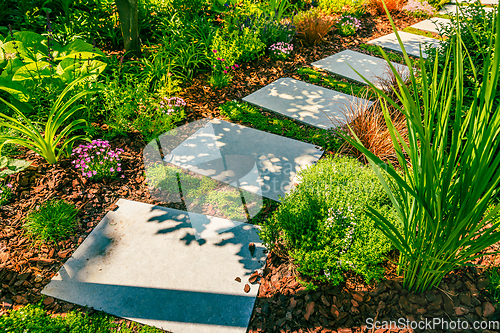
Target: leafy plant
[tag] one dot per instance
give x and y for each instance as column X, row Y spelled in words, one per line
column 152, row 120
column 5, row 193
column 347, row 25
column 277, row 8
column 97, row 160
column 322, row 223
column 10, row 167
column 224, row 54
column 313, row 25
column 34, row 63
column 52, row 221
column 442, row 198
column 53, row 142
column 476, row 28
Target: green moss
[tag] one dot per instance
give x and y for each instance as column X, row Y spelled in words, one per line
column 317, row 77
column 419, row 32
column 375, row 51
column 34, row 319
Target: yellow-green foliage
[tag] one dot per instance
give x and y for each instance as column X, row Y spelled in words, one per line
column 323, row 225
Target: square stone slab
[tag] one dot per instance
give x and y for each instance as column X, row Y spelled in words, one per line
column 451, row 9
column 411, row 43
column 308, row 103
column 166, row 268
column 258, row 162
column 484, row 2
column 432, row 24
column 375, row 70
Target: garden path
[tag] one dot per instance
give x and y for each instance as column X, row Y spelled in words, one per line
column 189, row 272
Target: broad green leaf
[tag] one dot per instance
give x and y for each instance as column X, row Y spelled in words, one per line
column 4, row 161
column 15, row 89
column 80, row 49
column 33, row 70
column 13, row 166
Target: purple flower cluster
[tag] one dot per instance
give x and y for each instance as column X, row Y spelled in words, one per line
column 171, row 105
column 348, row 25
column 5, row 193
column 97, row 160
column 419, row 9
column 280, row 50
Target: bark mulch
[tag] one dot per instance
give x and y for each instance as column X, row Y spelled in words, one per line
column 283, row 305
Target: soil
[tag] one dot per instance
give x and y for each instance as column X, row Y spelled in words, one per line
column 283, row 305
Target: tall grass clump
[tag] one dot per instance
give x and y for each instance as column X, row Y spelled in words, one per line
column 443, row 198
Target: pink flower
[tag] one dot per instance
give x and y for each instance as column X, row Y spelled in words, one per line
column 112, row 169
column 232, row 67
column 9, row 185
column 227, row 67
column 219, row 59
column 236, row 65
column 222, row 60
column 123, row 176
column 225, row 72
column 215, row 51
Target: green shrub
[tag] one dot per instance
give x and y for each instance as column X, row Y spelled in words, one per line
column 54, row 220
column 357, row 7
column 323, row 225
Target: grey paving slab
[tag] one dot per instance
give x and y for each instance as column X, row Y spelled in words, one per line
column 308, row 103
column 374, row 69
column 249, row 159
column 433, row 24
column 411, row 43
column 166, row 268
column 451, row 9
column 484, row 2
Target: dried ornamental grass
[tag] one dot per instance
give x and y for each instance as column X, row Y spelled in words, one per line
column 313, row 25
column 392, row 5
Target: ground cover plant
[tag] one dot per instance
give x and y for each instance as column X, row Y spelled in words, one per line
column 33, row 318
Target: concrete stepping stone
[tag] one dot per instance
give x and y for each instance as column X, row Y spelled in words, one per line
column 432, row 24
column 374, row 69
column 411, row 43
column 167, row 268
column 308, row 103
column 252, row 160
column 451, row 9
column 483, row 2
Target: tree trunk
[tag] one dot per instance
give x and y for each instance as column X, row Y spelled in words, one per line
column 129, row 22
